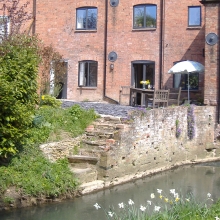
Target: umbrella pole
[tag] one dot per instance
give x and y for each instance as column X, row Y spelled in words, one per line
column 188, row 90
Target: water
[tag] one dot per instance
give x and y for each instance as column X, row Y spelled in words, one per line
column 198, row 180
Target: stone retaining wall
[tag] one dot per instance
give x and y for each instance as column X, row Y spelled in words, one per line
column 146, row 143
column 149, row 143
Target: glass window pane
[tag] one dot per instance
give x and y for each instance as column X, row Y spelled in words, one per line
column 151, row 14
column 4, row 26
column 82, row 79
column 88, row 73
column 93, row 74
column 139, row 17
column 181, row 80
column 92, row 18
column 193, row 81
column 81, row 19
column 194, row 16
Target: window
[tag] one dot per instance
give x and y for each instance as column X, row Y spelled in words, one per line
column 4, row 26
column 194, row 16
column 88, row 73
column 145, row 16
column 181, row 80
column 86, row 18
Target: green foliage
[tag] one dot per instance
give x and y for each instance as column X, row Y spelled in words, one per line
column 52, row 63
column 36, row 176
column 18, row 95
column 53, row 124
column 8, row 200
column 30, row 172
column 76, row 112
column 47, row 100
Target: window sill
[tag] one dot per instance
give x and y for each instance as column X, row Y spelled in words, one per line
column 86, row 88
column 194, row 28
column 185, row 90
column 144, row 29
column 78, row 31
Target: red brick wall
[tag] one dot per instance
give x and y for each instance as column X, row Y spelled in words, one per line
column 181, row 42
column 55, row 24
column 212, row 55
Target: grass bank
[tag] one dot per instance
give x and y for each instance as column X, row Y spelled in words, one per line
column 29, row 173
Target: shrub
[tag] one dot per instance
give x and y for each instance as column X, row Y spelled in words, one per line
column 47, row 100
column 18, row 95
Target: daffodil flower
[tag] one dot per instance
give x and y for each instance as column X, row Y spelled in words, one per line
column 110, row 214
column 142, row 208
column 121, row 205
column 209, row 195
column 147, row 82
column 130, row 202
column 159, row 191
column 176, row 195
column 152, row 195
column 161, row 196
column 149, row 202
column 217, row 218
column 166, row 199
column 177, row 199
column 97, row 206
column 172, row 191
column 157, row 208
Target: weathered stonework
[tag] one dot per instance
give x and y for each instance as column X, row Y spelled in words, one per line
column 143, row 144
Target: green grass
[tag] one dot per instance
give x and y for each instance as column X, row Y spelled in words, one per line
column 29, row 171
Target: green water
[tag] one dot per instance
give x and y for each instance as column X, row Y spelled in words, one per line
column 197, row 180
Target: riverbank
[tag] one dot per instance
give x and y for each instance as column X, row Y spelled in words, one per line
column 124, row 159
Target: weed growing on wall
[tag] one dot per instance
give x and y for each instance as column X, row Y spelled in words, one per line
column 178, row 129
column 191, row 122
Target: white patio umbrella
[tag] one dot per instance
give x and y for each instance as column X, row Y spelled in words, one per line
column 187, row 67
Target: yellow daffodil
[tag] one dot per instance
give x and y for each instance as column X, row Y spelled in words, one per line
column 42, row 97
column 177, row 199
column 161, row 196
column 166, row 199
column 147, row 82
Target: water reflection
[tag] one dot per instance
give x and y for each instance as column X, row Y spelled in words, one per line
column 198, row 180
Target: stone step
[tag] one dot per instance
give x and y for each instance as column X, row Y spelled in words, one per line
column 88, row 151
column 82, row 159
column 94, row 144
column 109, row 119
column 100, row 134
column 91, row 186
column 84, row 175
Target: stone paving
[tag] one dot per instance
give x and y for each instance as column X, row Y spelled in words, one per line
column 102, row 108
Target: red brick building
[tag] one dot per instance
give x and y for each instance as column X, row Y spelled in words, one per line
column 107, row 44
column 106, row 48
